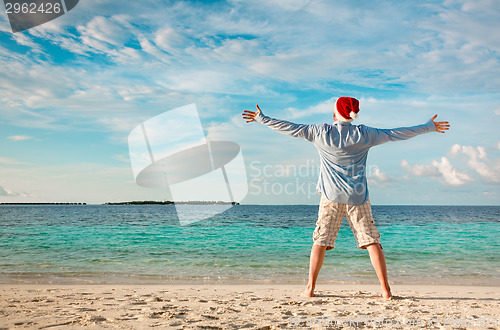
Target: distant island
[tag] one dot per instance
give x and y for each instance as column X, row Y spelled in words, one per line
column 41, row 203
column 133, row 203
column 173, row 203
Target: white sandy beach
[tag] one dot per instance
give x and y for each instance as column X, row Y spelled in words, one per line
column 262, row 306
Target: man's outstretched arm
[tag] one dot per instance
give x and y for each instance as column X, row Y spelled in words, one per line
column 307, row 132
column 379, row 136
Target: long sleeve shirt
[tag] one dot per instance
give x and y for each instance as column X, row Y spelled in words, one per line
column 343, row 149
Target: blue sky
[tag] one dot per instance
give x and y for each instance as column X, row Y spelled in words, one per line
column 73, row 89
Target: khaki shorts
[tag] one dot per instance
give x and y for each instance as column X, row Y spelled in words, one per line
column 360, row 220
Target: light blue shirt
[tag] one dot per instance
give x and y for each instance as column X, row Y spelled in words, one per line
column 343, row 149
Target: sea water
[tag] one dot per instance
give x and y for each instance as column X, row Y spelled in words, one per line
column 247, row 243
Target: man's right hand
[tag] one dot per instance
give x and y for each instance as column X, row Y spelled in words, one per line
column 441, row 126
column 250, row 115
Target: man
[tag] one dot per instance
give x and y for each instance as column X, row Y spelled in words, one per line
column 343, row 149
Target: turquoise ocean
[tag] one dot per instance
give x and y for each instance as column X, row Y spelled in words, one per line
column 245, row 244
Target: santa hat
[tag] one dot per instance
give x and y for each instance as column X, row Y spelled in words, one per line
column 346, row 109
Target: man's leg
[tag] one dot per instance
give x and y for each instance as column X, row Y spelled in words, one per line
column 315, row 263
column 367, row 236
column 378, row 261
column 330, row 215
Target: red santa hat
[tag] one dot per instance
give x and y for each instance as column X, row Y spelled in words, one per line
column 346, row 109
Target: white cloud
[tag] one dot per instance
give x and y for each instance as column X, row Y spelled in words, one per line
column 10, row 161
column 361, row 45
column 31, row 83
column 19, row 137
column 7, row 192
column 210, row 57
column 137, row 92
column 168, row 39
column 477, row 160
column 378, row 178
column 292, row 5
column 420, row 169
column 443, row 168
column 459, row 36
column 377, row 173
column 451, row 175
column 320, row 108
column 124, row 158
column 104, row 31
column 471, row 22
column 150, row 48
column 25, row 40
column 488, row 169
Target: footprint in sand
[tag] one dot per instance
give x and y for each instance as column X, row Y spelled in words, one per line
column 154, row 299
column 138, row 303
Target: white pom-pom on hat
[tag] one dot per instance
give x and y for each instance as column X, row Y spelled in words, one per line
column 353, row 115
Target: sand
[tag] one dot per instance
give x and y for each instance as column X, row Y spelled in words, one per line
column 237, row 306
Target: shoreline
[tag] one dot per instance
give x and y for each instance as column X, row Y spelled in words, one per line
column 320, row 286
column 214, row 284
column 140, row 281
column 258, row 306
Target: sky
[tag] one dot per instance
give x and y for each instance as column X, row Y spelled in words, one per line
column 72, row 90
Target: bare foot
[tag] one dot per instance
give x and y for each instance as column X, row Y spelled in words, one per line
column 307, row 293
column 387, row 295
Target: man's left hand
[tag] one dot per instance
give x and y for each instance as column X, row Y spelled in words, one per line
column 441, row 126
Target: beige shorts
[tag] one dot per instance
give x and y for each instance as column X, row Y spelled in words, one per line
column 360, row 220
